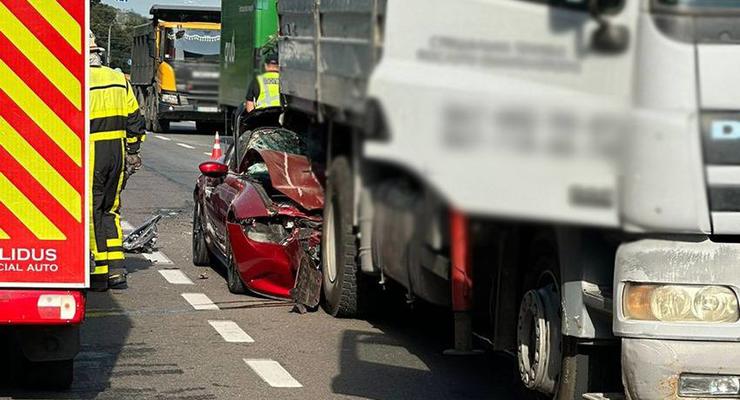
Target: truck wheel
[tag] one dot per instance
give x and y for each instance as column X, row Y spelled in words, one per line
column 233, row 279
column 201, row 256
column 56, row 375
column 160, row 125
column 339, row 246
column 550, row 363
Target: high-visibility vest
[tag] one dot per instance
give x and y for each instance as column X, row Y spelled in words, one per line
column 269, row 90
column 112, row 105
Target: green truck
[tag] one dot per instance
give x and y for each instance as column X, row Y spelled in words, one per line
column 247, row 27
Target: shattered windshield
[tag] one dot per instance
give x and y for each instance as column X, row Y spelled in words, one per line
column 273, row 139
column 269, row 139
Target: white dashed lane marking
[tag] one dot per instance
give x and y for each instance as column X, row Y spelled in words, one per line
column 199, row 301
column 231, row 332
column 157, row 258
column 206, row 153
column 163, row 138
column 175, row 277
column 187, row 146
column 273, row 373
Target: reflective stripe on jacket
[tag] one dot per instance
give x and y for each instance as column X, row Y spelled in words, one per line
column 269, row 90
column 114, row 111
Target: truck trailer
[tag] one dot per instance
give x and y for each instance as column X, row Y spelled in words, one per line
column 44, row 256
column 562, row 175
column 174, row 66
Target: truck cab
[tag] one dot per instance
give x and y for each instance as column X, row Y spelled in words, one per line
column 562, row 173
column 175, row 66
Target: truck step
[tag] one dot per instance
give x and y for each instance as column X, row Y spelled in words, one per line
column 604, row 396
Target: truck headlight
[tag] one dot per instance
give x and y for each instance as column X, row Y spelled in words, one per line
column 680, row 303
column 170, row 98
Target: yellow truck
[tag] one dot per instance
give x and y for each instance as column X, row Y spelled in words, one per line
column 175, row 67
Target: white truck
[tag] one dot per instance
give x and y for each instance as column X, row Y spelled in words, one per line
column 564, row 174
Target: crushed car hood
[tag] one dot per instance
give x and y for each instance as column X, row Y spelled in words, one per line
column 291, row 175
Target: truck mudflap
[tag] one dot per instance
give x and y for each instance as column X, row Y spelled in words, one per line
column 680, row 329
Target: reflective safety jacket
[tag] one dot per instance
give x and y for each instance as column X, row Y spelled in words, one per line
column 114, row 111
column 269, row 90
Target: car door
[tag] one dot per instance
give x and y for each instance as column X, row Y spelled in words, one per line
column 224, row 191
column 215, row 195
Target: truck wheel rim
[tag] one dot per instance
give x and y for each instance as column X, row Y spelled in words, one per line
column 330, row 263
column 538, row 340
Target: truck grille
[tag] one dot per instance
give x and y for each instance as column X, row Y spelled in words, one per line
column 721, row 143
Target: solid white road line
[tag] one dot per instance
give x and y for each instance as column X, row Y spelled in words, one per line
column 163, row 138
column 230, row 331
column 273, row 373
column 157, row 257
column 187, row 146
column 199, row 301
column 175, row 277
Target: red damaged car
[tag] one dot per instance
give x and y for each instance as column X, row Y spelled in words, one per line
column 258, row 211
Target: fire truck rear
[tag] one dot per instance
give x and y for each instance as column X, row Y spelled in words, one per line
column 44, row 259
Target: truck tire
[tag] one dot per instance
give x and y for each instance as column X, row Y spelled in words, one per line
column 341, row 272
column 551, row 364
column 201, row 256
column 160, row 125
column 54, row 375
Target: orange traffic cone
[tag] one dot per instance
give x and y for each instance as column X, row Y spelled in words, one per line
column 216, row 153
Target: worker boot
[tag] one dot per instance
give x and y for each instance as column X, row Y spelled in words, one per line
column 118, row 279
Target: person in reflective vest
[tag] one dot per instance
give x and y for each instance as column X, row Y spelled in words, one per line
column 116, row 133
column 265, row 89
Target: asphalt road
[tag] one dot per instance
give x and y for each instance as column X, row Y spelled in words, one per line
column 149, row 342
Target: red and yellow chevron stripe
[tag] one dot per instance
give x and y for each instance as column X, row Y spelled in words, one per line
column 42, row 135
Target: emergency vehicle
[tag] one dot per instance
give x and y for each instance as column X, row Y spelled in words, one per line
column 44, row 259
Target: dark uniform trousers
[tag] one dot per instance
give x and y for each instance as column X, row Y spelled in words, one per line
column 116, row 126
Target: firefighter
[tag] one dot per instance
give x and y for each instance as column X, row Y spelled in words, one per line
column 264, row 91
column 116, row 133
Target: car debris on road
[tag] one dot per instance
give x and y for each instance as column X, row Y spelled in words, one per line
column 144, row 238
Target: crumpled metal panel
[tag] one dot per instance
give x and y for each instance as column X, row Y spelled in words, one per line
column 291, row 174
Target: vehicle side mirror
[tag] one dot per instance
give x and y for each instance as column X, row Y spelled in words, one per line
column 608, row 38
column 214, row 169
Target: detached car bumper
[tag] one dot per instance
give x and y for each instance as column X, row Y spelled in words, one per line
column 662, row 369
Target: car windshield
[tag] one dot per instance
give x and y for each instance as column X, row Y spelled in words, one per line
column 193, row 44
column 273, row 139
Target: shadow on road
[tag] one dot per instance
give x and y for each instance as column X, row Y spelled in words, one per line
column 189, row 128
column 405, row 361
column 103, row 341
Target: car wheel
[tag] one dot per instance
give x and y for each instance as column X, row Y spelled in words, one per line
column 341, row 274
column 201, row 256
column 55, row 375
column 233, row 279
